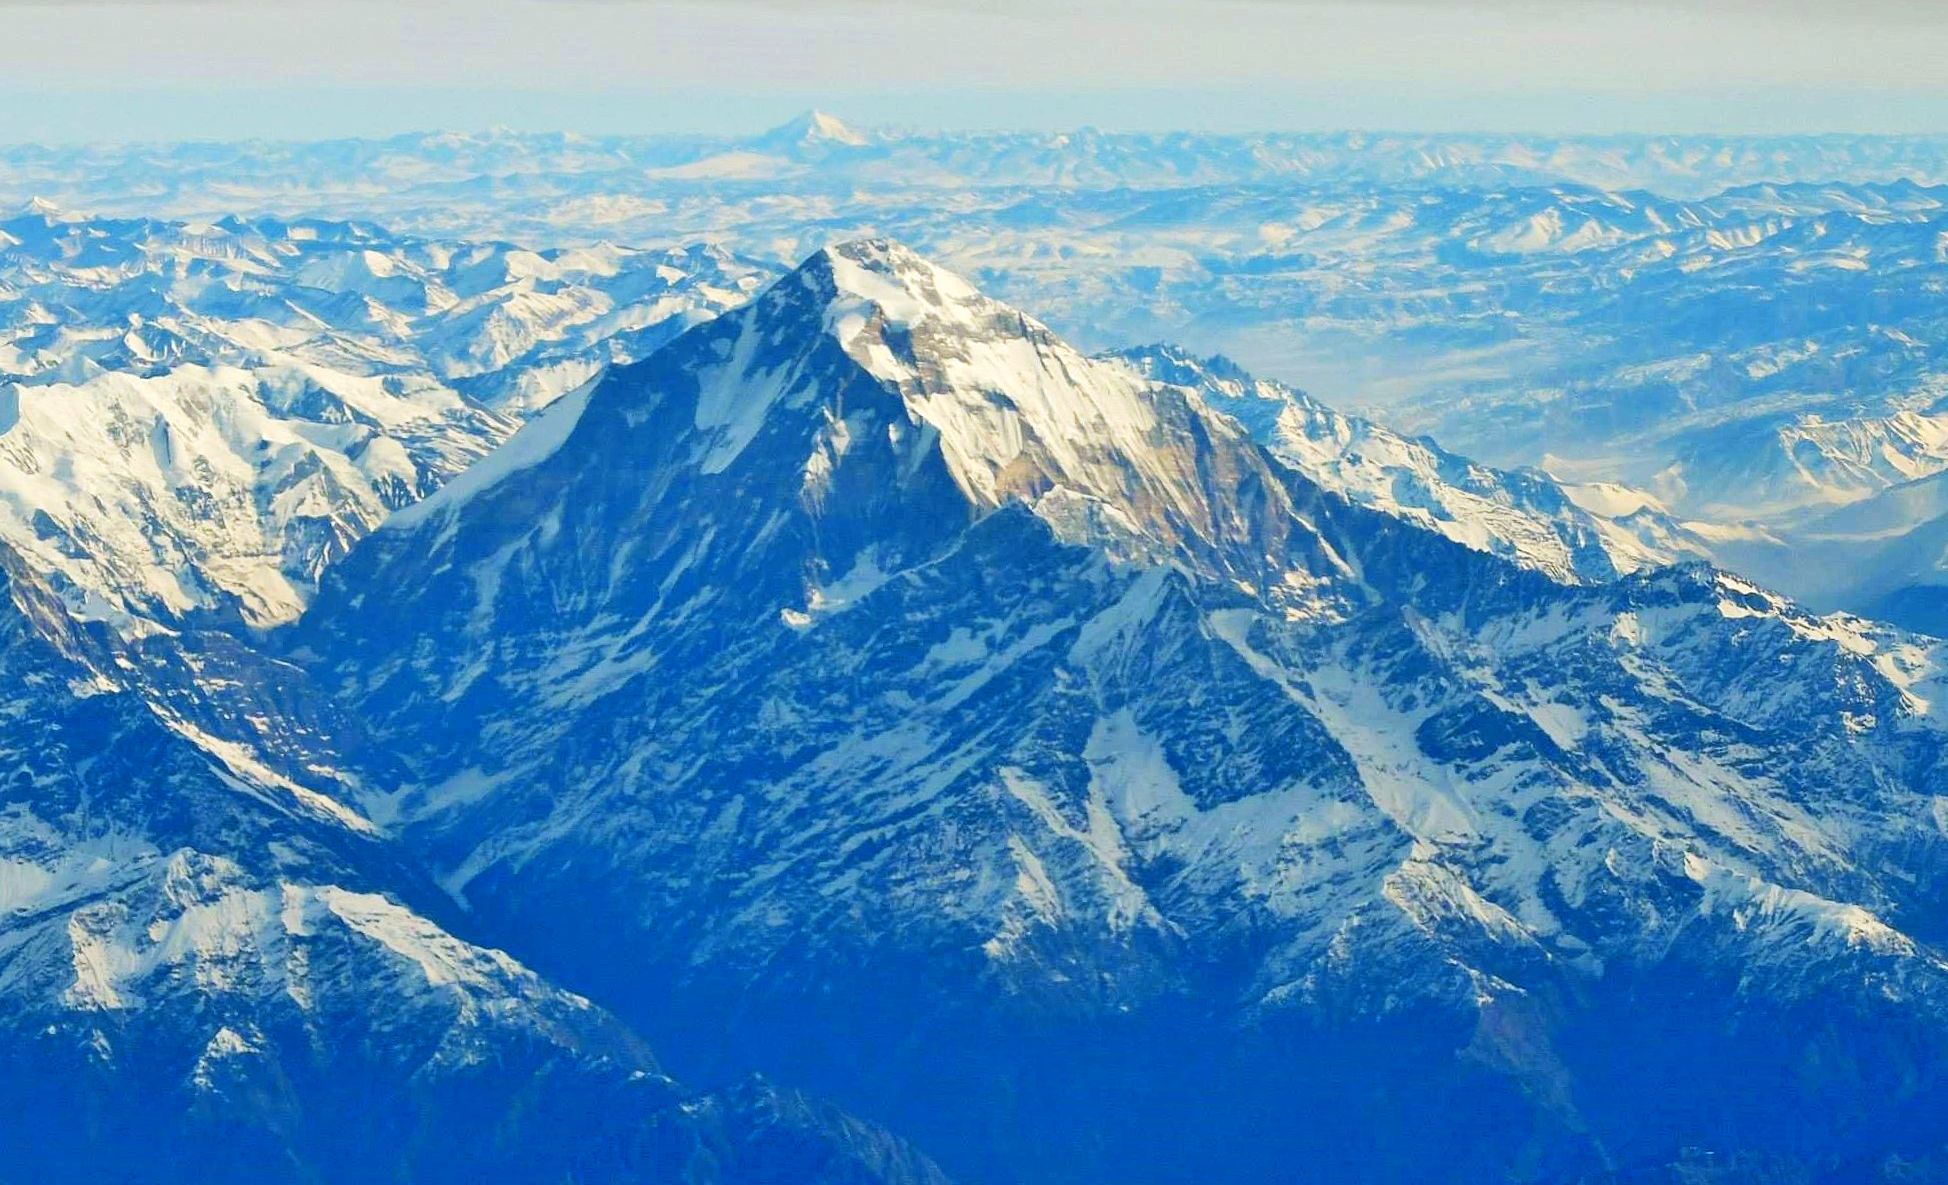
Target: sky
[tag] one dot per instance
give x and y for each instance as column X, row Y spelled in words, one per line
column 223, row 69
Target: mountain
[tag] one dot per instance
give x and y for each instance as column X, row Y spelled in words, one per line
column 197, row 419
column 811, row 143
column 815, row 129
column 871, row 688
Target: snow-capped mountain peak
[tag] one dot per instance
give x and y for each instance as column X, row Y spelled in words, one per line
column 40, row 207
column 1011, row 412
column 813, row 129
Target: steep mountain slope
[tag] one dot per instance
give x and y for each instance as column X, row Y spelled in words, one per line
column 918, row 707
column 208, row 972
column 221, row 490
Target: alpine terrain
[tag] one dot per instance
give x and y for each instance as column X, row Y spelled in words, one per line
column 1093, row 769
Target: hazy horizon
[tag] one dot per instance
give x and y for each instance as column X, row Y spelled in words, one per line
column 140, row 70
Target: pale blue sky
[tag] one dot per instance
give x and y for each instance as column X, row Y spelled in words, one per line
column 148, row 69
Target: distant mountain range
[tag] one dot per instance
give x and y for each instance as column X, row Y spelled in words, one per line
column 816, row 144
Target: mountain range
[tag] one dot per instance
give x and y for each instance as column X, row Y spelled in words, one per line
column 447, row 672
column 1046, row 756
column 1737, row 327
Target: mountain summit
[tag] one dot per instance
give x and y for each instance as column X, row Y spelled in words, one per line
column 815, row 129
column 870, row 687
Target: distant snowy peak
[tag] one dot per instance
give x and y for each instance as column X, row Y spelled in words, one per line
column 40, row 207
column 805, row 146
column 814, row 129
